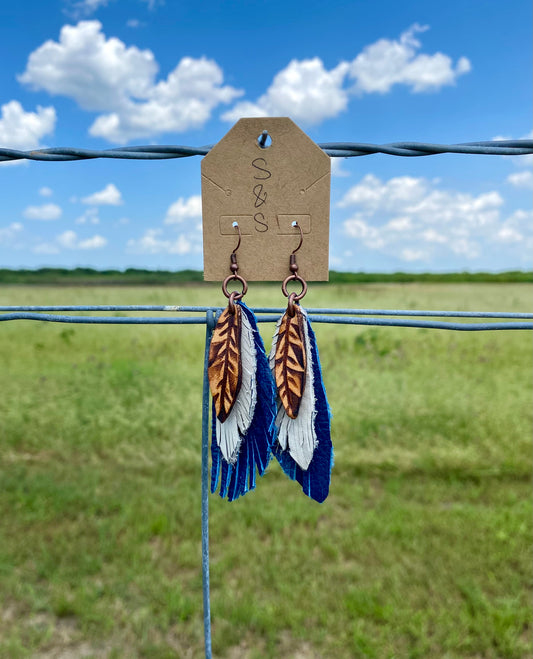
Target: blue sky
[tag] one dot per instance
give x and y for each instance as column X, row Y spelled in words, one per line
column 103, row 73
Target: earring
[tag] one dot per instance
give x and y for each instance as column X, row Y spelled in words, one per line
column 303, row 448
column 243, row 394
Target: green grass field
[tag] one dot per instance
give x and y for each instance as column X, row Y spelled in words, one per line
column 421, row 550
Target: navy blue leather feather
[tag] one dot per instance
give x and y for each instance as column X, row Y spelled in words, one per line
column 255, row 452
column 316, row 478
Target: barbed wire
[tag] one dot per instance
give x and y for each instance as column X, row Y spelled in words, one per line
column 333, row 149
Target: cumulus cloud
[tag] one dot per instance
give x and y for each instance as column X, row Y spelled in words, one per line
column 517, row 228
column 44, row 212
column 184, row 209
column 79, row 8
column 310, row 93
column 336, row 168
column 109, row 196
column 7, row 234
column 45, row 248
column 90, row 216
column 523, row 179
column 104, row 75
column 24, row 130
column 153, row 242
column 413, row 218
column 92, row 243
column 45, row 191
column 386, row 63
column 305, row 90
column 69, row 240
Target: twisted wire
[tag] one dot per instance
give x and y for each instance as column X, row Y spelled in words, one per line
column 333, row 149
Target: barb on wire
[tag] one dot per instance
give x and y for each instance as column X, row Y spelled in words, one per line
column 333, row 149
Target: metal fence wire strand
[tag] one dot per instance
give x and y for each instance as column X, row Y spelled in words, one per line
column 333, row 149
column 375, row 317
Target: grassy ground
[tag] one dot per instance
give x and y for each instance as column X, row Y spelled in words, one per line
column 421, row 550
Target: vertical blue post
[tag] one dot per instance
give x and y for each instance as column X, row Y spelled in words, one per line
column 210, row 323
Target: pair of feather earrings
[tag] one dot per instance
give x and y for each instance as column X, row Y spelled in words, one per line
column 264, row 406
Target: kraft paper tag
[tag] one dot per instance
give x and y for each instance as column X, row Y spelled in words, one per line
column 265, row 190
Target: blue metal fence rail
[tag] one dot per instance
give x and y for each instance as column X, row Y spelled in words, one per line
column 376, row 317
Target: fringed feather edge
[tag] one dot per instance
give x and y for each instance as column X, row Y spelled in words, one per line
column 315, row 480
column 239, row 476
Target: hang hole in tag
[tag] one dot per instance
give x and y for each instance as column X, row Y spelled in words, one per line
column 264, row 140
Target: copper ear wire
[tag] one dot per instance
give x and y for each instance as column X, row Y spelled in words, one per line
column 234, row 267
column 293, row 298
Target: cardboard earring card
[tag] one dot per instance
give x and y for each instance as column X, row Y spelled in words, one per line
column 265, row 188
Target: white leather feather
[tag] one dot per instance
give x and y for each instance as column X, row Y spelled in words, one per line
column 229, row 434
column 298, row 435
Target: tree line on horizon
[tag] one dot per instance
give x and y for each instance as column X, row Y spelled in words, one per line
column 138, row 276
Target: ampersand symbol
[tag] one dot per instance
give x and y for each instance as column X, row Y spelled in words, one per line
column 260, row 197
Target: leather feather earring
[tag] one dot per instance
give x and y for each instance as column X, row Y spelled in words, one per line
column 303, row 447
column 243, row 395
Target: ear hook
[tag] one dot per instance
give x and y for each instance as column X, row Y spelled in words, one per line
column 296, row 225
column 293, row 267
column 235, row 225
column 234, row 267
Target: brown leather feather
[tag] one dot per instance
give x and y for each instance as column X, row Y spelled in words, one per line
column 290, row 362
column 224, row 368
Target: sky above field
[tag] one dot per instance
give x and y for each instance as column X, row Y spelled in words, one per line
column 104, row 73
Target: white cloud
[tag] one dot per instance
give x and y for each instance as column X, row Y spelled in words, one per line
column 134, row 23
column 386, row 63
column 517, row 228
column 92, row 243
column 305, row 90
column 409, row 254
column 69, row 240
column 412, row 218
column 109, row 196
column 45, row 248
column 43, row 212
column 184, row 209
column 523, row 179
column 83, row 8
column 432, row 236
column 336, row 168
column 153, row 243
column 309, row 93
column 7, row 234
column 46, row 192
column 152, row 4
column 23, row 130
column 372, row 193
column 105, row 75
column 90, row 216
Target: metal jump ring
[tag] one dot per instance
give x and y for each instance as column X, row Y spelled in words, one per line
column 294, row 277
column 291, row 305
column 234, row 295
